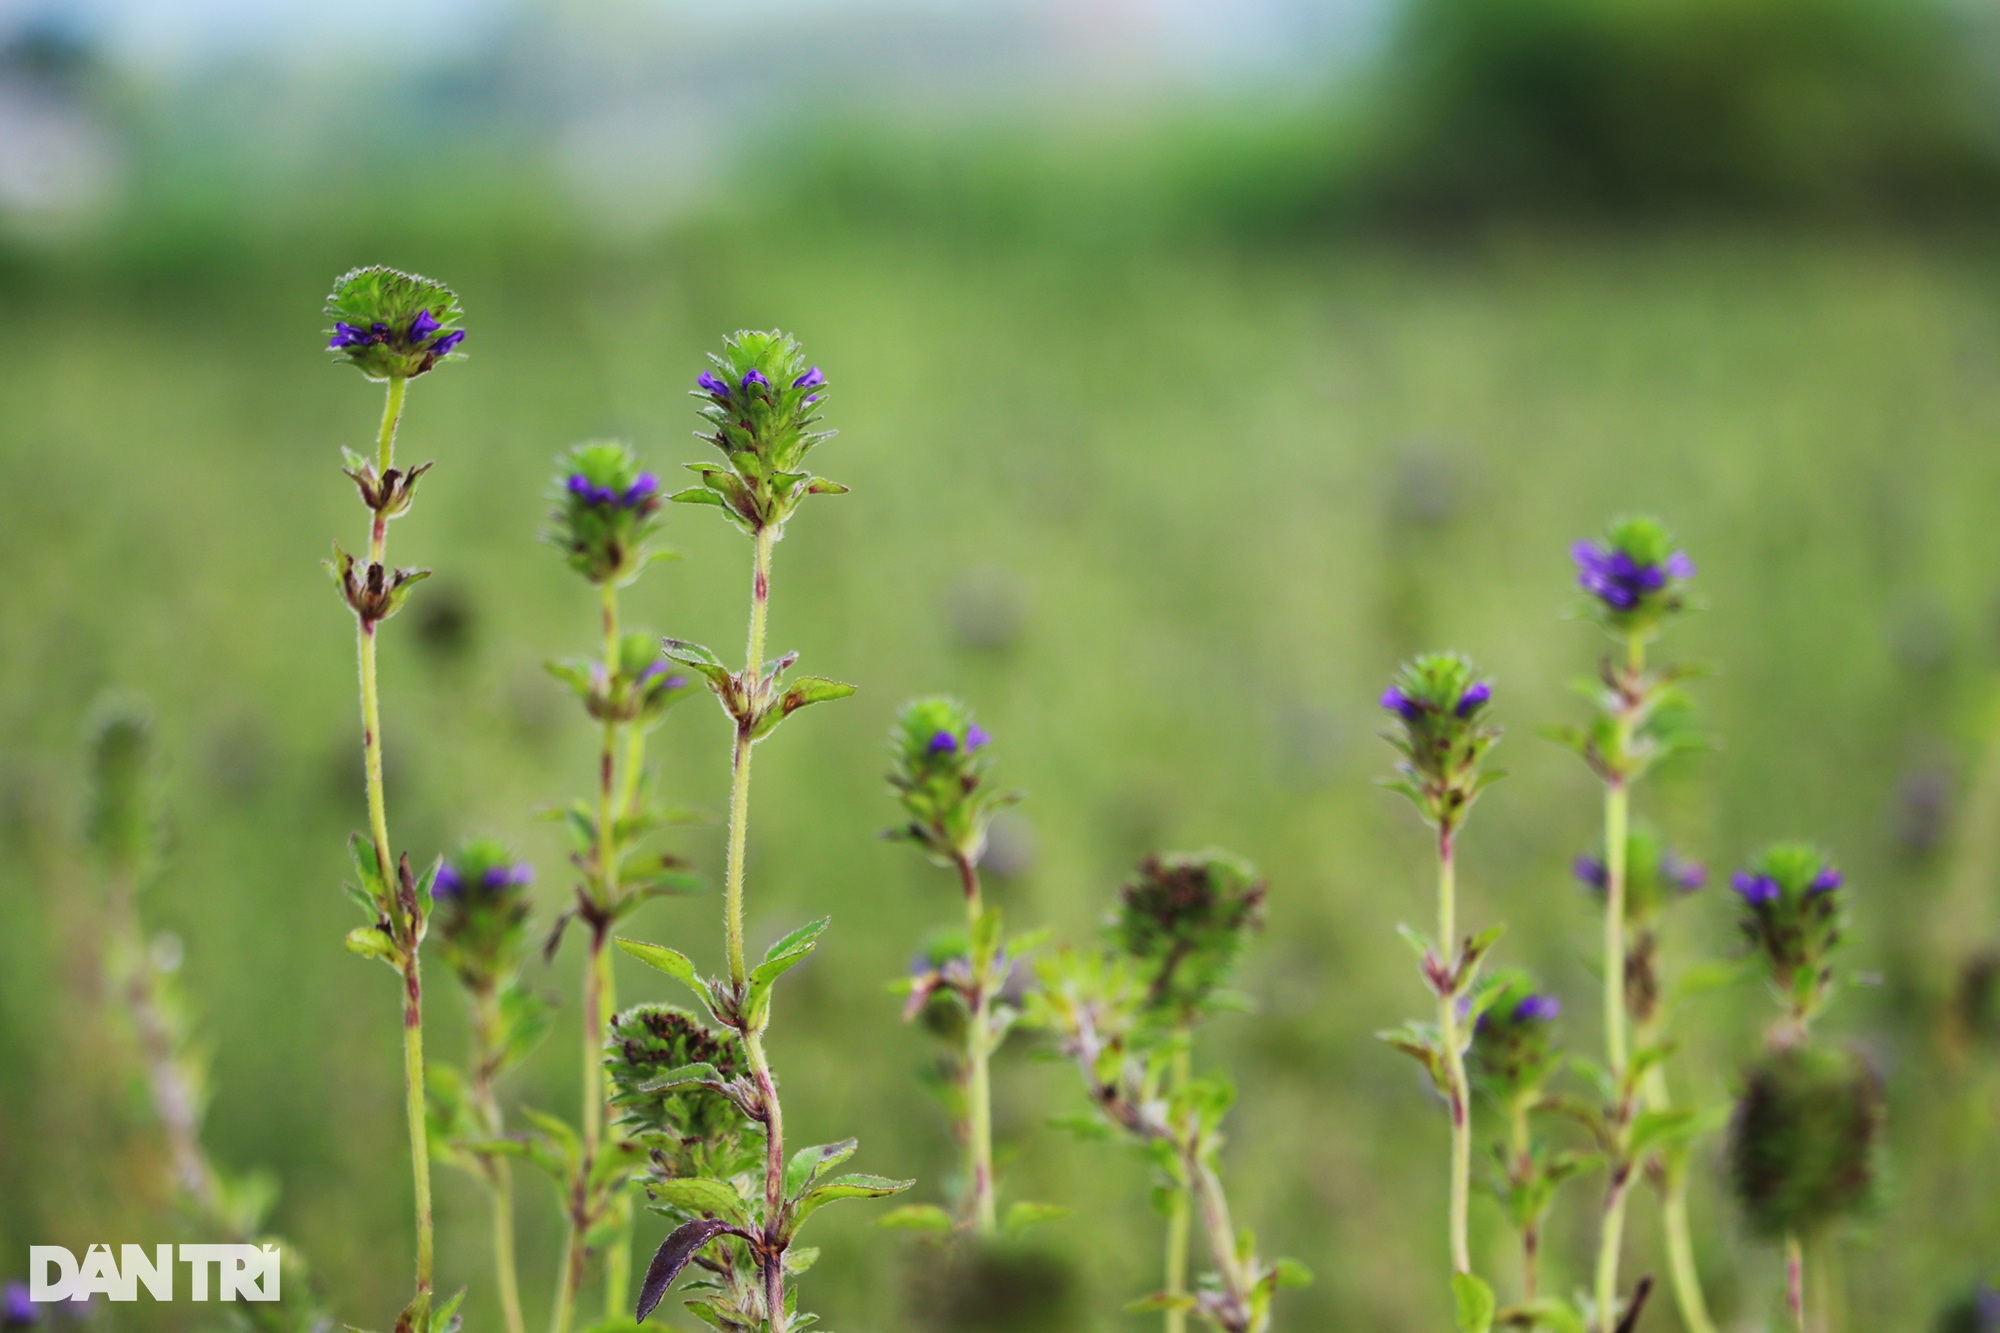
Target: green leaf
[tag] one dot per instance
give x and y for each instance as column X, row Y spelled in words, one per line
column 1653, row 1129
column 372, row 942
column 917, row 1217
column 706, row 1074
column 698, row 1194
column 846, row 1187
column 697, row 658
column 1548, row 1313
column 1473, row 1300
column 1292, row 1273
column 366, row 866
column 809, row 1164
column 1024, row 1216
column 1420, row 944
column 798, row 1259
column 670, row 961
column 799, row 941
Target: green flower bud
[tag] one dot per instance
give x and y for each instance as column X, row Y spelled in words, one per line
column 690, row 1128
column 1441, row 707
column 124, row 819
column 1512, row 1055
column 606, row 508
column 480, row 912
column 1183, row 919
column 392, row 325
column 1805, row 1140
column 940, row 758
column 759, row 403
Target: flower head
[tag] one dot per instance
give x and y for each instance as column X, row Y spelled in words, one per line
column 1512, row 1053
column 690, row 1129
column 1792, row 915
column 1441, row 704
column 939, row 776
column 606, row 508
column 392, row 325
column 482, row 905
column 1805, row 1140
column 1655, row 875
column 1183, row 919
column 1635, row 576
column 758, row 408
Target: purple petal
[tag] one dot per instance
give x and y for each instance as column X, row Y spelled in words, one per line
column 1537, row 1009
column 1826, row 881
column 1686, row 876
column 579, row 486
column 755, row 376
column 943, row 742
column 1473, row 697
column 423, row 326
column 443, row 346
column 1680, row 566
column 812, row 379
column 1591, row 871
column 1756, row 890
column 449, row 884
column 346, row 335
column 17, row 1309
column 975, row 736
column 712, row 383
column 1398, row 702
column 642, row 489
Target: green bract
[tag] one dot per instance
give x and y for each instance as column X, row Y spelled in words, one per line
column 678, row 1087
column 392, row 325
column 940, row 758
column 760, row 403
column 1182, row 919
column 1441, row 706
column 606, row 507
column 1805, row 1140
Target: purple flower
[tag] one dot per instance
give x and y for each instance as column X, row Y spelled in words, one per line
column 346, row 335
column 641, row 490
column 1473, row 697
column 1591, row 871
column 1757, row 890
column 812, row 379
column 17, row 1310
column 975, row 736
column 449, row 884
column 755, row 376
column 423, row 326
column 1682, row 876
column 450, row 340
column 810, row 398
column 1537, row 1009
column 1619, row 581
column 713, row 383
column 943, row 742
column 1396, row 701
column 579, row 486
column 516, row 876
column 1826, row 881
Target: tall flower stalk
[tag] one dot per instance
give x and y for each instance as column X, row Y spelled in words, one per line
column 959, row 987
column 1443, row 733
column 607, row 511
column 480, row 901
column 757, row 404
column 1808, row 1126
column 393, row 327
column 1124, row 1015
column 1635, row 580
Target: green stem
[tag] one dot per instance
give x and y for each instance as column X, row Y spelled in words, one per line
column 569, row 1278
column 1795, row 1282
column 378, row 827
column 1617, row 819
column 1180, row 1221
column 1221, row 1234
column 1454, row 1062
column 1531, row 1233
column 1617, row 810
column 978, row 1052
column 1674, row 1220
column 500, row 1177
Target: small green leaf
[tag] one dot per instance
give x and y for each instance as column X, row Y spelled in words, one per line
column 916, row 1217
column 706, row 1074
column 1292, row 1273
column 372, row 942
column 799, row 941
column 1024, row 1216
column 809, row 1164
column 1474, row 1302
column 659, row 957
column 846, row 1187
column 698, row 1194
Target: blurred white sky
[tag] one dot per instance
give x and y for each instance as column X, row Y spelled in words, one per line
column 1242, row 38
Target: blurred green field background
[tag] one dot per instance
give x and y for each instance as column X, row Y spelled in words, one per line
column 1167, row 504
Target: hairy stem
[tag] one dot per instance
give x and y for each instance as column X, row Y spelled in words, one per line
column 1221, row 1233
column 378, row 828
column 1611, row 1239
column 1180, row 1221
column 774, row 1181
column 499, row 1173
column 1454, row 1063
column 978, row 1053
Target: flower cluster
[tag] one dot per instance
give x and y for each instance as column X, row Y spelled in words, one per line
column 1636, row 576
column 1805, row 1140
column 1512, row 1052
column 1182, row 919
column 758, row 401
column 480, row 911
column 939, row 763
column 1442, row 704
column 606, row 509
column 641, row 689
column 392, row 325
column 1655, row 874
column 1791, row 913
column 677, row 1087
